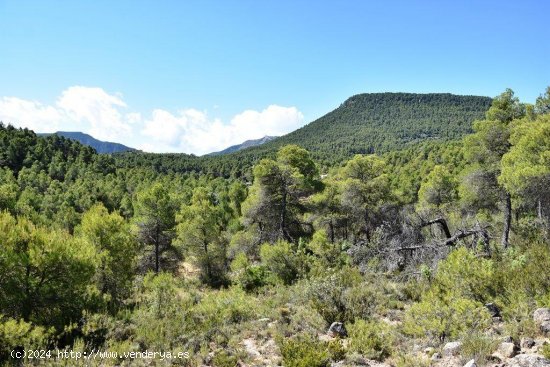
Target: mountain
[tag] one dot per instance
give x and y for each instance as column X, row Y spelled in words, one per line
column 364, row 123
column 246, row 144
column 105, row 147
column 382, row 122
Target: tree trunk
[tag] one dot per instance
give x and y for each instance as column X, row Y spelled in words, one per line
column 539, row 209
column 367, row 228
column 507, row 221
column 331, row 228
column 282, row 221
column 157, row 250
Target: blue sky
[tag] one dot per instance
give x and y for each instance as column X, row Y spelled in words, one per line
column 196, row 76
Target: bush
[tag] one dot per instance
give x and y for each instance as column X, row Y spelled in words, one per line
column 546, row 350
column 444, row 317
column 250, row 277
column 328, row 295
column 465, row 275
column 224, row 359
column 20, row 334
column 283, row 261
column 303, row 350
column 223, row 307
column 477, row 346
column 162, row 318
column 373, row 339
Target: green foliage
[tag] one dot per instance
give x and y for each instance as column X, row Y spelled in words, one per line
column 20, row 334
column 199, row 231
column 526, row 167
column 116, row 249
column 546, row 350
column 162, row 318
column 45, row 273
column 454, row 304
column 464, row 274
column 249, row 276
column 373, row 339
column 478, row 346
column 440, row 188
column 274, row 203
column 303, row 351
column 156, row 219
column 283, row 260
column 222, row 358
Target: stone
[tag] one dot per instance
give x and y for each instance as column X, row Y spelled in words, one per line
column 529, row 360
column 541, row 315
column 471, row 363
column 527, row 343
column 545, row 327
column 337, row 329
column 507, row 339
column 452, row 349
column 493, row 309
column 436, row 356
column 507, row 350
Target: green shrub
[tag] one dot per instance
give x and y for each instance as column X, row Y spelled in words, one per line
column 477, row 346
column 407, row 360
column 303, row 350
column 223, row 358
column 162, row 317
column 444, row 317
column 249, row 276
column 283, row 261
column 546, row 350
column 465, row 275
column 373, row 339
column 336, row 350
column 223, row 307
column 21, row 334
column 327, row 295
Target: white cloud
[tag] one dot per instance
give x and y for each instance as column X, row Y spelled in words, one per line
column 105, row 116
column 98, row 108
column 91, row 110
column 30, row 114
column 192, row 131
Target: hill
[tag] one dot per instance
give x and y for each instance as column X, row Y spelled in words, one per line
column 104, row 147
column 365, row 123
column 382, row 122
column 246, row 144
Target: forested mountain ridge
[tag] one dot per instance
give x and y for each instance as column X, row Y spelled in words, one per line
column 244, row 145
column 364, row 123
column 102, row 147
column 380, row 122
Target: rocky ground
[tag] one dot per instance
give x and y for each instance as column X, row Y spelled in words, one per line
column 526, row 352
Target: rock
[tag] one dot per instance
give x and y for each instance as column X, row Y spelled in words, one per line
column 436, row 356
column 527, row 343
column 545, row 327
column 493, row 309
column 452, row 349
column 471, row 363
column 541, row 315
column 507, row 350
column 507, row 339
column 337, row 329
column 529, row 360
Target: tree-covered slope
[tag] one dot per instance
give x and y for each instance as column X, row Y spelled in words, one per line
column 103, row 147
column 244, row 145
column 381, row 122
